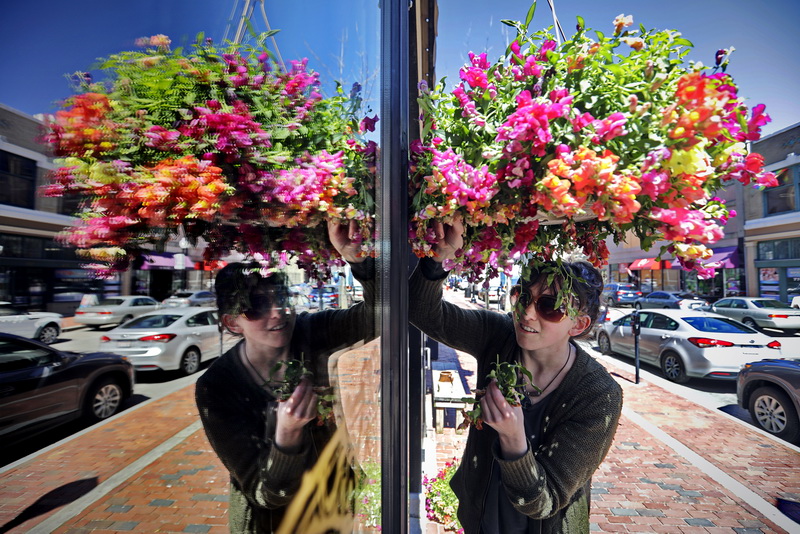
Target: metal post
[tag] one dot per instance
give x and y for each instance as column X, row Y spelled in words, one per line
column 636, row 328
column 393, row 264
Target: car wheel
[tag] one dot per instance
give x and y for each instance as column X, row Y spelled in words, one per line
column 750, row 322
column 604, row 343
column 126, row 319
column 774, row 412
column 103, row 401
column 638, row 305
column 190, row 361
column 673, row 368
column 610, row 302
column 48, row 334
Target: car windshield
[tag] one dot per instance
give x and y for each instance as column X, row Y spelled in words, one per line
column 152, row 321
column 717, row 324
column 182, row 295
column 111, row 302
column 685, row 296
column 769, row 303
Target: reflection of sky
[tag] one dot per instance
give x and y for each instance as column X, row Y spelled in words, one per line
column 42, row 42
column 765, row 65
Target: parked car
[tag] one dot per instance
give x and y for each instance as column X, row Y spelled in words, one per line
column 620, row 294
column 770, row 391
column 44, row 387
column 689, row 343
column 329, row 296
column 113, row 310
column 670, row 299
column 190, row 298
column 42, row 326
column 169, row 339
column 759, row 312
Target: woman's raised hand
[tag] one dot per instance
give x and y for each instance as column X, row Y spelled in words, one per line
column 344, row 238
column 449, row 239
column 293, row 415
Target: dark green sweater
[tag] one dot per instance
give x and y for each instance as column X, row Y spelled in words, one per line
column 548, row 484
column 238, row 414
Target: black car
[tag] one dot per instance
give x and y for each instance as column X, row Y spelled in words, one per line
column 770, row 391
column 41, row 387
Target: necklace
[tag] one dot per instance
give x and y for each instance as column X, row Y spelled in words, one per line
column 264, row 383
column 540, row 392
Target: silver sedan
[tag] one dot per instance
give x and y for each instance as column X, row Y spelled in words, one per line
column 688, row 343
column 113, row 310
column 759, row 312
column 41, row 326
column 169, row 339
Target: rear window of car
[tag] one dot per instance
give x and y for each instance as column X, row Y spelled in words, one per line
column 629, row 287
column 717, row 324
column 686, row 296
column 182, row 295
column 111, row 302
column 152, row 321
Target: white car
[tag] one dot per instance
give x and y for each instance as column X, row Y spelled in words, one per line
column 115, row 310
column 168, row 339
column 689, row 343
column 41, row 326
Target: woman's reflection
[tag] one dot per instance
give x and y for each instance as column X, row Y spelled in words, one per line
column 267, row 445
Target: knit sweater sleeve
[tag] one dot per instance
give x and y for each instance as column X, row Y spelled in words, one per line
column 577, row 434
column 334, row 329
column 238, row 428
column 471, row 331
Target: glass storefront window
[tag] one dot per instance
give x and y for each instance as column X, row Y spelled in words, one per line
column 781, row 198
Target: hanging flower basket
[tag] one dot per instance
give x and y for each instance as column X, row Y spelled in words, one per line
column 552, row 149
column 219, row 144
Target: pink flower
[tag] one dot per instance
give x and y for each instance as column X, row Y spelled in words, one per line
column 610, row 127
column 475, row 77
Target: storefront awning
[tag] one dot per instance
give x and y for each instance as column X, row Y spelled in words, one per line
column 724, row 258
column 649, row 263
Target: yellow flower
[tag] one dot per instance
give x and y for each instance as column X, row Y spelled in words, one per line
column 694, row 160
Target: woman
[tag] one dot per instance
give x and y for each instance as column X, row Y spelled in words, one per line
column 267, row 445
column 529, row 468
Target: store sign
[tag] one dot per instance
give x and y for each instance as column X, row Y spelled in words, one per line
column 324, row 502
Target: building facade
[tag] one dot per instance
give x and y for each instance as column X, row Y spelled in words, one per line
column 772, row 221
column 760, row 253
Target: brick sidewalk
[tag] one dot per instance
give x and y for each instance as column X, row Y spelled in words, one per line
column 674, row 466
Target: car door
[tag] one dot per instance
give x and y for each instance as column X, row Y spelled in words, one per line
column 622, row 336
column 144, row 305
column 204, row 333
column 738, row 309
column 656, row 332
column 16, row 321
column 33, row 389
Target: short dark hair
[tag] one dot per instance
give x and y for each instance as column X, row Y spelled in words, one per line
column 236, row 282
column 583, row 280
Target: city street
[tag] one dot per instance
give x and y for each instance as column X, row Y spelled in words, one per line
column 150, row 386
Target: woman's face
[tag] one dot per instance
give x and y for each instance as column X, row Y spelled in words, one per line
column 539, row 323
column 270, row 319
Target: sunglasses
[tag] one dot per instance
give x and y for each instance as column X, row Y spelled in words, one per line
column 546, row 305
column 263, row 304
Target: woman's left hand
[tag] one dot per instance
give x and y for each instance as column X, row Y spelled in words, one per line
column 344, row 239
column 293, row 415
column 507, row 420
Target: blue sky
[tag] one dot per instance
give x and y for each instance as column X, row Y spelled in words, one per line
column 43, row 41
